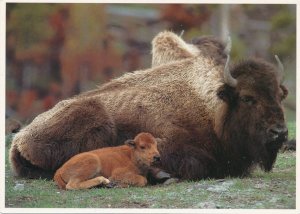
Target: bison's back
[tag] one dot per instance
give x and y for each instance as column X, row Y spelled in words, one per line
column 182, row 93
column 159, row 110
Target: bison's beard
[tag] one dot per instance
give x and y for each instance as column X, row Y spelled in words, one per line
column 272, row 147
column 249, row 146
column 261, row 149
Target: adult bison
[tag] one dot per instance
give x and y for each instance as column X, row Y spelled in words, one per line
column 215, row 121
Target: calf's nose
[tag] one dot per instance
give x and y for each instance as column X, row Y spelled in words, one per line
column 156, row 158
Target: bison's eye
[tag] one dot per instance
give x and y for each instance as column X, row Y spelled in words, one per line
column 249, row 100
column 143, row 147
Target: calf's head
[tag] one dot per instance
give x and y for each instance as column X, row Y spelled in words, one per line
column 252, row 118
column 144, row 147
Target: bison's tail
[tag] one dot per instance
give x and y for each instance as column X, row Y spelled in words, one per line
column 23, row 168
column 59, row 181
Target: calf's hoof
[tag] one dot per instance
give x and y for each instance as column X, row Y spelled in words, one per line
column 112, row 184
column 289, row 145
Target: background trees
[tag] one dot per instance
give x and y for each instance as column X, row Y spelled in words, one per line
column 54, row 51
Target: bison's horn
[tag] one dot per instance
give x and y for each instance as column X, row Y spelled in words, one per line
column 181, row 34
column 280, row 67
column 227, row 75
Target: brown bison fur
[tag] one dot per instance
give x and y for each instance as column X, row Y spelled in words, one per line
column 53, row 137
column 210, row 129
column 126, row 165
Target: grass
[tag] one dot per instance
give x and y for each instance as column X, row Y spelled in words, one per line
column 274, row 190
column 292, row 130
column 290, row 115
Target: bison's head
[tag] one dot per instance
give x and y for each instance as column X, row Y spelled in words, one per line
column 252, row 118
column 250, row 121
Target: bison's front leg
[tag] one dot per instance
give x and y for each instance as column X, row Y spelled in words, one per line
column 182, row 156
column 71, row 127
column 157, row 175
column 186, row 161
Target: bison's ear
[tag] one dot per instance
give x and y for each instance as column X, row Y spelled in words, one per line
column 285, row 91
column 227, row 94
column 168, row 47
column 130, row 143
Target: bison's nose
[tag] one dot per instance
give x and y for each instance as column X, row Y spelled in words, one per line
column 278, row 132
column 156, row 158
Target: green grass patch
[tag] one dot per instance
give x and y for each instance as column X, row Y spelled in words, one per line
column 273, row 190
column 292, row 129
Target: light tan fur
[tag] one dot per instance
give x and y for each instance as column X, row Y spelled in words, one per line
column 168, row 47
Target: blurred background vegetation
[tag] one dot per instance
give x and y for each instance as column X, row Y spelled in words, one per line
column 54, row 51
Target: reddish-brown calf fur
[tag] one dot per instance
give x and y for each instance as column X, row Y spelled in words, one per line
column 127, row 165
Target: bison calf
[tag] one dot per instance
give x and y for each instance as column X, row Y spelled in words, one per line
column 126, row 165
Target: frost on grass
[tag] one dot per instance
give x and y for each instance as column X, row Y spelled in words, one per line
column 219, row 187
column 19, row 187
column 206, row 205
column 222, row 187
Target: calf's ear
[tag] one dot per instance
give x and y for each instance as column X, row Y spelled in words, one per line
column 130, row 143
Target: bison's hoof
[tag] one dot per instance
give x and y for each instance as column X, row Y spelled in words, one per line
column 171, row 181
column 289, row 145
column 162, row 175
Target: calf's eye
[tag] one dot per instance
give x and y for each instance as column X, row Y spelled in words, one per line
column 249, row 100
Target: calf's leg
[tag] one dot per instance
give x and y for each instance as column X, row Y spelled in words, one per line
column 76, row 184
column 81, row 172
column 124, row 178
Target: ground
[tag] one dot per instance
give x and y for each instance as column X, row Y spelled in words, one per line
column 274, row 190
